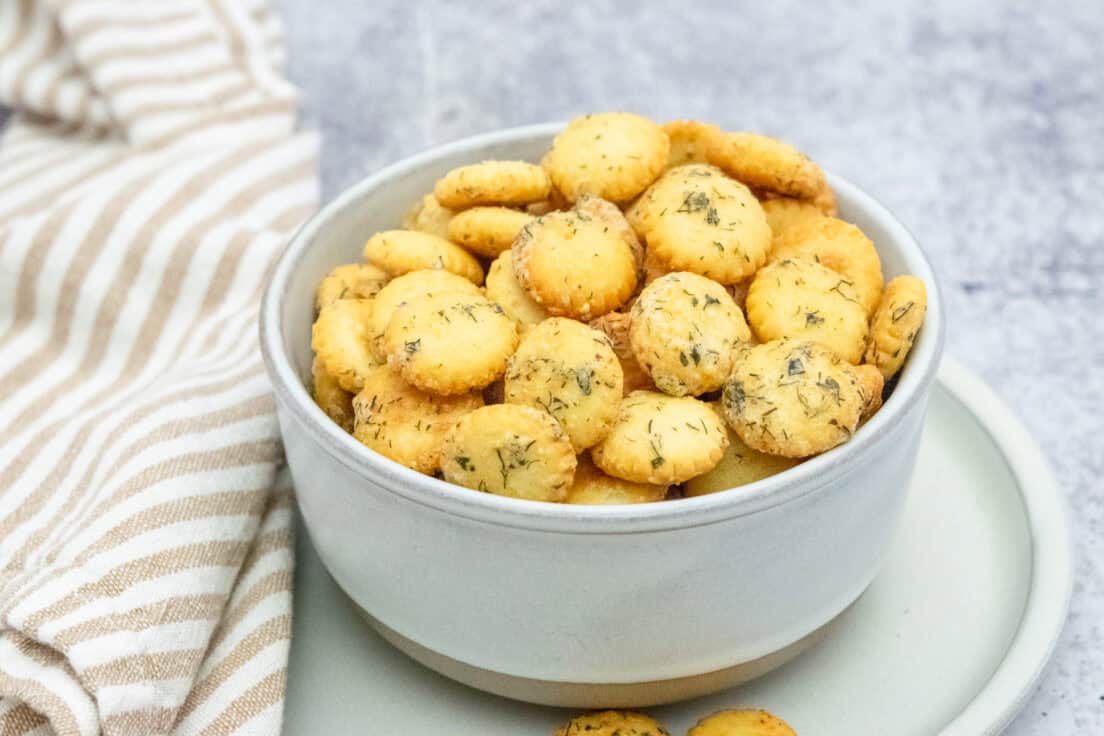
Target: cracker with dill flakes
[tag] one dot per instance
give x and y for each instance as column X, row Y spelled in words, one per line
column 739, row 466
column 701, row 221
column 574, row 266
column 404, row 288
column 611, row 217
column 689, row 140
column 612, row 723
column 402, row 251
column 510, row 450
column 428, row 216
column 785, row 212
column 514, row 183
column 895, row 324
column 661, row 439
column 503, row 289
column 449, row 343
column 570, row 371
column 837, row 245
column 404, row 424
column 488, row 231
column 351, row 281
column 792, row 398
column 592, row 487
column 799, row 298
column 330, row 397
column 745, row 722
column 341, row 339
column 769, row 165
column 684, row 330
column 613, row 155
column 871, row 384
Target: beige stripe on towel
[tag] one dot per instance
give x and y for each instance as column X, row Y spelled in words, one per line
column 149, row 175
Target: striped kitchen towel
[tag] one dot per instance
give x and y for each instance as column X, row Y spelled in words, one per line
column 149, row 174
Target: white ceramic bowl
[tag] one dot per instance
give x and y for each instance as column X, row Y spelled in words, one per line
column 578, row 605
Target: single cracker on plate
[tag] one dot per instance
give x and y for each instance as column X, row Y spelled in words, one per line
column 612, row 155
column 793, row 398
column 684, row 330
column 487, row 231
column 401, row 251
column 331, row 398
column 612, row 723
column 840, row 246
column 510, row 450
column 661, row 439
column 896, row 321
column 341, row 338
column 701, row 221
column 592, row 487
column 350, row 281
column 449, row 343
column 404, row 424
column 574, row 266
column 744, row 722
column 428, row 216
column 570, row 371
column 799, row 298
column 404, row 288
column 514, row 183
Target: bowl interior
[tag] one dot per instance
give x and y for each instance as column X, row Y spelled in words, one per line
column 337, row 234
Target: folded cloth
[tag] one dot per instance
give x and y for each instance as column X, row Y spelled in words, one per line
column 149, row 175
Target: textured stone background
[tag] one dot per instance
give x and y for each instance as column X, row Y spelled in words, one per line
column 980, row 124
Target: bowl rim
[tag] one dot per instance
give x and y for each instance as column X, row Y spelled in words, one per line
column 808, row 477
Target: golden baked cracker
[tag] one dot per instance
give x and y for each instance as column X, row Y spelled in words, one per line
column 570, row 371
column 592, row 487
column 487, row 231
column 340, row 338
column 640, row 212
column 612, row 723
column 331, row 398
column 403, row 251
column 739, row 466
column 799, row 298
column 840, row 246
column 611, row 217
column 404, row 424
column 428, row 216
column 635, row 214
column 510, row 450
column 689, row 139
column 742, row 723
column 403, row 289
column 449, row 343
column 784, row 212
column 616, row 326
column 683, row 332
column 661, row 439
column 515, row 183
column 766, row 164
column 574, row 267
column 871, row 384
column 893, row 328
column 350, row 281
column 503, row 289
column 612, row 155
column 706, row 223
column 793, row 398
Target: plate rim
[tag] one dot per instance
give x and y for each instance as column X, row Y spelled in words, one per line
column 1046, row 608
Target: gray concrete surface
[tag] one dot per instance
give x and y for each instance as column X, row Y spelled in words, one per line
column 980, row 124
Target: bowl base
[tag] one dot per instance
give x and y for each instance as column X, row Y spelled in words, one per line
column 596, row 695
